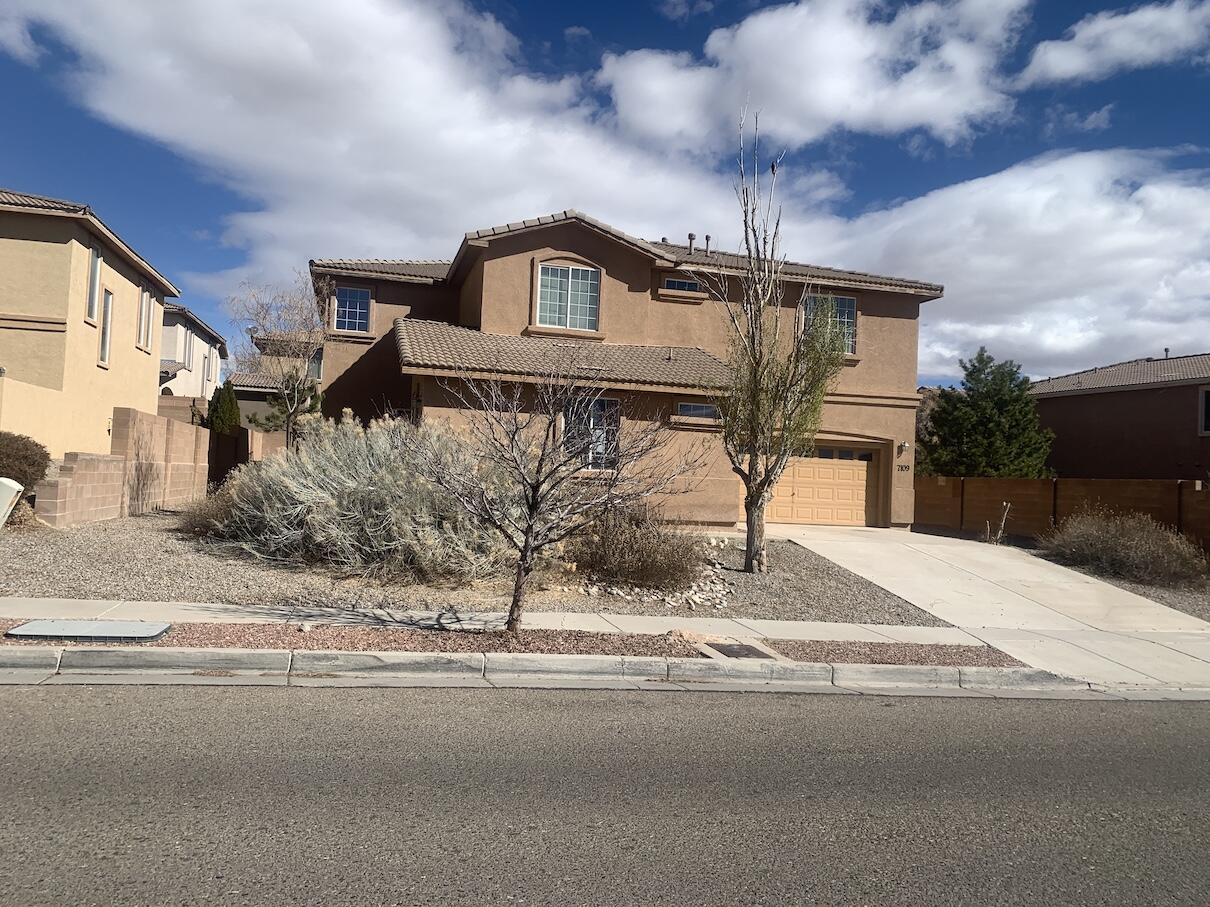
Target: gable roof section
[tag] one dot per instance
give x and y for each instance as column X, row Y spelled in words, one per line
column 1127, row 375
column 717, row 260
column 174, row 308
column 26, row 202
column 434, row 347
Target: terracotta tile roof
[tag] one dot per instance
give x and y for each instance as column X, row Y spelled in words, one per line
column 175, row 308
column 1135, row 373
column 831, row 276
column 434, row 345
column 42, row 202
column 419, row 269
column 252, row 381
column 571, row 214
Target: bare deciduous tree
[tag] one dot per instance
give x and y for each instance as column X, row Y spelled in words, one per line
column 283, row 332
column 540, row 461
column 783, row 358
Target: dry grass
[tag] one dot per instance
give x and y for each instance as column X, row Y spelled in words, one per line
column 1131, row 546
column 637, row 548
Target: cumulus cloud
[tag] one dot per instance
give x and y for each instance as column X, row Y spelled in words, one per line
column 1061, row 262
column 391, row 129
column 680, row 10
column 1105, row 43
column 813, row 67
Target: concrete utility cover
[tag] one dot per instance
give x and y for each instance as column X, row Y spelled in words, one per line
column 91, row 630
column 738, row 650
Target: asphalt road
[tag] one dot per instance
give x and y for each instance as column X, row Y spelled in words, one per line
column 234, row 796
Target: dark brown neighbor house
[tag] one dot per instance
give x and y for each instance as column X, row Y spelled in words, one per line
column 397, row 329
column 1142, row 419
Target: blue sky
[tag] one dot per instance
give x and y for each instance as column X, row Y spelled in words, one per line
column 1045, row 161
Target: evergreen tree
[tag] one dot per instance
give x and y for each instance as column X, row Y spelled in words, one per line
column 223, row 416
column 287, row 409
column 989, row 427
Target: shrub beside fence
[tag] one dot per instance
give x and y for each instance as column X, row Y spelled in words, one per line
column 968, row 505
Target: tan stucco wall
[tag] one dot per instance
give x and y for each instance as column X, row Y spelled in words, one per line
column 1149, row 433
column 45, row 263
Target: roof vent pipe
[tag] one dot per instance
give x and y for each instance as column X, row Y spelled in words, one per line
column 663, row 239
column 692, row 237
column 1165, row 352
column 707, row 243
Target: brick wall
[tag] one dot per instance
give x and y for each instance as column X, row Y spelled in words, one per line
column 968, row 505
column 154, row 462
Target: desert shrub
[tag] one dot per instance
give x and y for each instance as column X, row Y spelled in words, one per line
column 637, row 547
column 23, row 460
column 1132, row 546
column 346, row 497
column 207, row 516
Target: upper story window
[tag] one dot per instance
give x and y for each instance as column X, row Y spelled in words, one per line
column 94, row 282
column 106, row 327
column 590, row 431
column 569, row 297
column 697, row 410
column 143, row 331
column 1205, row 398
column 352, row 309
column 846, row 317
column 188, row 358
column 679, row 283
column 315, row 366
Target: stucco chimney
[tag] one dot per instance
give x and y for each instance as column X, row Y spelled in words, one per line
column 707, row 243
column 692, row 237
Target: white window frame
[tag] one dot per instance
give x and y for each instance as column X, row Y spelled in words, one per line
column 691, row 286
column 140, row 335
column 336, row 318
column 188, row 357
column 683, row 404
column 561, row 317
column 849, row 326
column 599, row 459
column 95, row 261
column 105, row 338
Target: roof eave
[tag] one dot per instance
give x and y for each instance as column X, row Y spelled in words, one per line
column 371, row 275
column 523, row 378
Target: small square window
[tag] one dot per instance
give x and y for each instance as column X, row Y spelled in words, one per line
column 352, row 309
column 678, row 283
column 844, row 454
column 825, row 453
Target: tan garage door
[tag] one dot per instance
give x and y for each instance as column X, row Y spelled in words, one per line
column 830, row 491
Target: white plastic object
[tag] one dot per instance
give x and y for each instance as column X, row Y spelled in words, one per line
column 10, row 494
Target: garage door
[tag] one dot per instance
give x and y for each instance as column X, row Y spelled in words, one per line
column 827, row 489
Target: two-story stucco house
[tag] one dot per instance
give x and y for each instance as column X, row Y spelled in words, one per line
column 192, row 354
column 80, row 316
column 512, row 295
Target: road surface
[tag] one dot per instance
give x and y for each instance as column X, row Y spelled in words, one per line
column 244, row 796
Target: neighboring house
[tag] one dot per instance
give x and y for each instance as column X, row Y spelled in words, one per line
column 512, row 295
column 192, row 354
column 1142, row 419
column 80, row 315
column 254, row 393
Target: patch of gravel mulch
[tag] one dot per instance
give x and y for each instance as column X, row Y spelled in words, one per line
column 892, row 653
column 146, row 558
column 383, row 639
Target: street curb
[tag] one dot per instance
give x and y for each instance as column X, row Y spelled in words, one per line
column 170, row 660
column 521, row 669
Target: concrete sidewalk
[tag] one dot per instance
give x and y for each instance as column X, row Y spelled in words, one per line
column 1041, row 613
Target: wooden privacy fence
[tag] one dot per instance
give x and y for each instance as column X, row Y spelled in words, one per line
column 968, row 505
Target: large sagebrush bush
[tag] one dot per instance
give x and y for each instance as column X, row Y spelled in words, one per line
column 347, row 497
column 1132, row 546
column 635, row 546
column 23, row 460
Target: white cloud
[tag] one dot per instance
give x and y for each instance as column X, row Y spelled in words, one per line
column 392, row 128
column 1059, row 119
column 1061, row 262
column 1108, row 42
column 680, row 10
column 813, row 67
column 576, row 33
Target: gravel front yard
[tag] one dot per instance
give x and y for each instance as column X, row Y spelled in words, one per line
column 146, row 559
column 373, row 639
column 892, row 653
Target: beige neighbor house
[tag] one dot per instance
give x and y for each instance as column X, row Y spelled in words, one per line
column 1142, row 419
column 80, row 316
column 513, row 296
column 191, row 354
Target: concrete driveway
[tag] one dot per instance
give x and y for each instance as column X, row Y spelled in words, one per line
column 1047, row 616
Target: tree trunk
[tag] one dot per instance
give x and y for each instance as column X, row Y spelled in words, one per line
column 525, row 566
column 755, row 560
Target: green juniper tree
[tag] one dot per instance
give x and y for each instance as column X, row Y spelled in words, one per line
column 223, row 416
column 988, row 427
